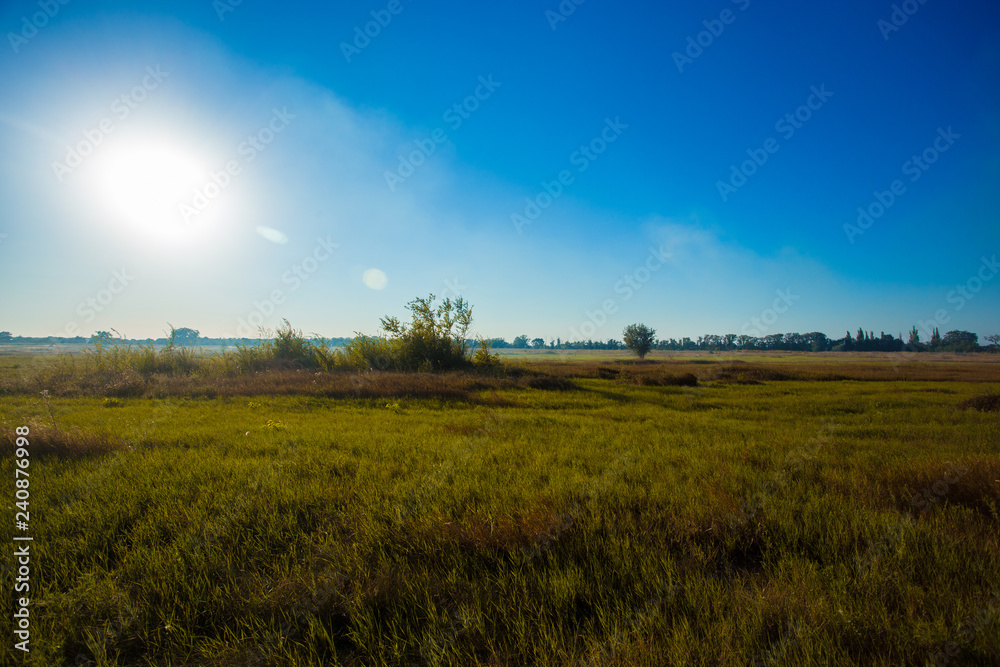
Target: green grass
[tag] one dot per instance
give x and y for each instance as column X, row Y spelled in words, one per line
column 613, row 523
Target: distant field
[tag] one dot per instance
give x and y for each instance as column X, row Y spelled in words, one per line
column 582, row 509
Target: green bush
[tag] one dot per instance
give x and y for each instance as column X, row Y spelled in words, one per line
column 368, row 353
column 435, row 339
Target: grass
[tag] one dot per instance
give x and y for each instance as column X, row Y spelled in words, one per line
column 593, row 513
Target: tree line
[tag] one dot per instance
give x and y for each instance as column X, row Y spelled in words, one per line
column 814, row 341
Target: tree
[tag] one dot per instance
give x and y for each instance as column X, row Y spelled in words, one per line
column 538, row 343
column 993, row 340
column 6, row 336
column 639, row 338
column 182, row 336
column 935, row 339
column 914, row 337
column 960, row 341
column 520, row 342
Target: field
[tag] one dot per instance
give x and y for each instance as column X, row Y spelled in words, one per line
column 693, row 509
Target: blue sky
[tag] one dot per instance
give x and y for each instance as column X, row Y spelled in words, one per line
column 300, row 137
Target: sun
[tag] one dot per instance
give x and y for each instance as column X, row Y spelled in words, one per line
column 142, row 184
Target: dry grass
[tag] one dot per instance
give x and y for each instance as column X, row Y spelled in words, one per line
column 66, row 378
column 972, row 482
column 71, row 443
column 881, row 368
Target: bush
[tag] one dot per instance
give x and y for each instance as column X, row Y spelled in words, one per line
column 368, row 353
column 288, row 349
column 484, row 359
column 435, row 340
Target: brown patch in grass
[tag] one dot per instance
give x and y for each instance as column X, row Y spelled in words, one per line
column 465, row 429
column 538, row 525
column 743, row 373
column 659, row 378
column 983, row 403
column 549, row 383
column 606, row 373
column 66, row 443
column 972, row 482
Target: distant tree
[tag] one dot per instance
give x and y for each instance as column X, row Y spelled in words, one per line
column 538, row 343
column 935, row 339
column 639, row 339
column 101, row 336
column 182, row 336
column 816, row 341
column 6, row 336
column 994, row 341
column 520, row 342
column 960, row 341
column 914, row 337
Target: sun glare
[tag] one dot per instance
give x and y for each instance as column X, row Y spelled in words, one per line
column 142, row 185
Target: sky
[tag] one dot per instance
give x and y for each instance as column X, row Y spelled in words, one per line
column 731, row 166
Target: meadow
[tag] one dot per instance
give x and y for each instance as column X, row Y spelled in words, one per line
column 690, row 509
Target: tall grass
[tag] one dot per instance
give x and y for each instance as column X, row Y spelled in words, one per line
column 614, row 522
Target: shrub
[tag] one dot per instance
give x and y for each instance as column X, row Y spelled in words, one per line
column 484, row 359
column 291, row 347
column 435, row 339
column 368, row 353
